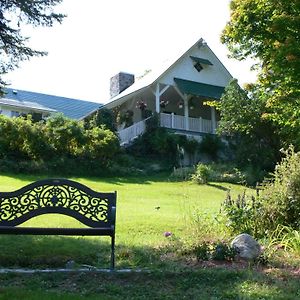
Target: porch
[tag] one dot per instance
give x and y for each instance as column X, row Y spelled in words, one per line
column 192, row 127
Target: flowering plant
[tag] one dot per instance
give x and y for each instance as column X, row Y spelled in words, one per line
column 180, row 104
column 141, row 104
column 163, row 103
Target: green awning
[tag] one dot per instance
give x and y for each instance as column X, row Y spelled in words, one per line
column 201, row 60
column 199, row 89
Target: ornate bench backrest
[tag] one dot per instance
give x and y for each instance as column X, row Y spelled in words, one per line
column 62, row 196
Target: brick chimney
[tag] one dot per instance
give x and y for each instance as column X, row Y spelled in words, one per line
column 120, row 82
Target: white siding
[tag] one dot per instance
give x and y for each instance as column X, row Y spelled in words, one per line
column 184, row 69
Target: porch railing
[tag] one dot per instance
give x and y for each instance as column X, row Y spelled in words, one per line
column 189, row 124
column 169, row 121
column 128, row 134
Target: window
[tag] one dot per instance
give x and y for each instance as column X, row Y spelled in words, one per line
column 198, row 67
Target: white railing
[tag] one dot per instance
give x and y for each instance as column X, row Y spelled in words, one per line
column 128, row 134
column 169, row 121
column 191, row 124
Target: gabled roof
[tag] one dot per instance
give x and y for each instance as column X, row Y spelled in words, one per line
column 71, row 108
column 154, row 76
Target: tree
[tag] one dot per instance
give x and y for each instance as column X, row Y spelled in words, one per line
column 243, row 117
column 14, row 14
column 269, row 31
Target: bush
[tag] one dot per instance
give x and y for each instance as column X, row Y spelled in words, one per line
column 218, row 172
column 281, row 196
column 214, row 250
column 241, row 215
column 277, row 204
column 59, row 144
column 202, row 174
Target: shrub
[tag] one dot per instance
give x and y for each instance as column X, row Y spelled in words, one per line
column 278, row 202
column 281, row 195
column 241, row 215
column 214, row 250
column 202, row 174
column 59, row 144
column 218, row 172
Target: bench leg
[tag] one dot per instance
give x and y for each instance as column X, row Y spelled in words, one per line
column 112, row 258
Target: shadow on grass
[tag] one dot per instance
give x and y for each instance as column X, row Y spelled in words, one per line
column 164, row 281
column 142, row 179
column 218, row 186
column 57, row 251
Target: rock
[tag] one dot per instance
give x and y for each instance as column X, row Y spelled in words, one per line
column 246, row 246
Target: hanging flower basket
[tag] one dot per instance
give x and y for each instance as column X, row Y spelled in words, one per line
column 180, row 104
column 141, row 105
column 163, row 103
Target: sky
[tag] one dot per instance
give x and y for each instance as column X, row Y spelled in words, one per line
column 100, row 38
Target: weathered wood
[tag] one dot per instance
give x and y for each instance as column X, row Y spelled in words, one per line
column 94, row 209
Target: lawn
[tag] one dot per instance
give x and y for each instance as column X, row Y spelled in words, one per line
column 146, row 208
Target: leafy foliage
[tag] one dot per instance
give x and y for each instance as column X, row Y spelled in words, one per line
column 214, row 250
column 268, row 30
column 281, row 196
column 253, row 138
column 277, row 204
column 13, row 14
column 218, row 172
column 211, row 145
column 158, row 143
column 202, row 174
column 102, row 117
column 56, row 143
column 242, row 214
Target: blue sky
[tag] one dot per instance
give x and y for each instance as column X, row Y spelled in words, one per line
column 99, row 38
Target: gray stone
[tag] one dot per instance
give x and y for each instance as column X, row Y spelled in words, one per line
column 246, row 246
column 120, row 82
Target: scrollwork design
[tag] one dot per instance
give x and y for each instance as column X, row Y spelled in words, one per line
column 72, row 198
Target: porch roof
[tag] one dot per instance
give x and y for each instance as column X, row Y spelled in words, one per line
column 199, row 89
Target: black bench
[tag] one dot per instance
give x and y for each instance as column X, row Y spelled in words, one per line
column 62, row 196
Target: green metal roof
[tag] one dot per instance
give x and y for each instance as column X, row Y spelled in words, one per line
column 201, row 60
column 199, row 89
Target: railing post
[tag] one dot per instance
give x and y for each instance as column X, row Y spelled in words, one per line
column 172, row 120
column 213, row 119
column 186, row 113
column 201, row 124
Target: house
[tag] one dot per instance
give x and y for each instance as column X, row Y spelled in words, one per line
column 18, row 102
column 177, row 91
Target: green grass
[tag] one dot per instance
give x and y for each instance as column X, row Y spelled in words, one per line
column 140, row 225
column 188, row 284
column 140, row 244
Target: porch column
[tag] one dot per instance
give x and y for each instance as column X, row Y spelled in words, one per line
column 157, row 99
column 213, row 119
column 186, row 113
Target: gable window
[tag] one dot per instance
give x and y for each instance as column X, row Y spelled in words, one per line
column 198, row 67
column 199, row 62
